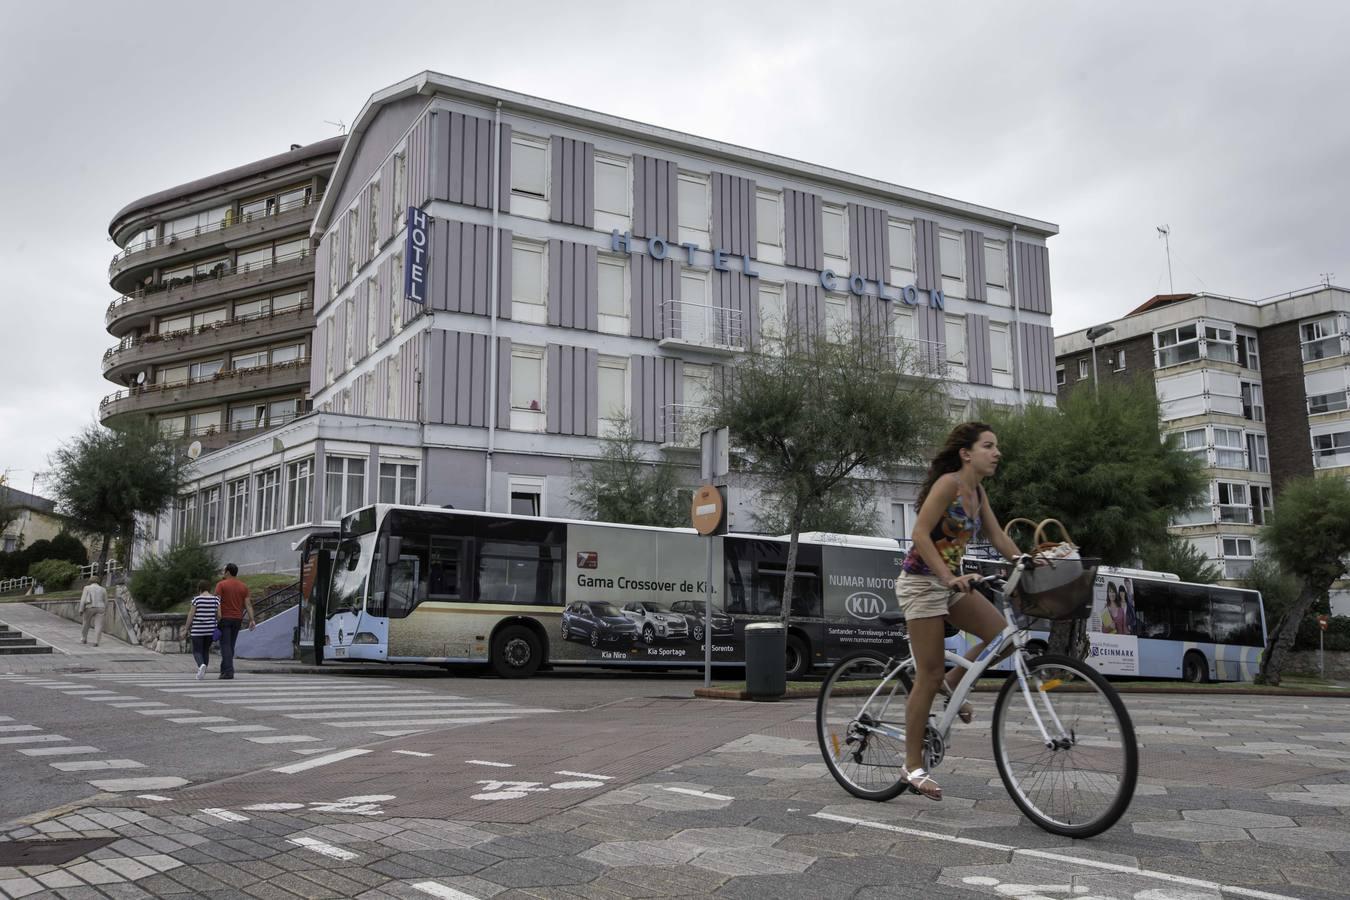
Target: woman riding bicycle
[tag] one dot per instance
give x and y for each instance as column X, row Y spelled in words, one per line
column 953, row 508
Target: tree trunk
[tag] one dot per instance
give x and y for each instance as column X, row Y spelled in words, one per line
column 1277, row 654
column 1069, row 638
column 791, row 567
column 102, row 569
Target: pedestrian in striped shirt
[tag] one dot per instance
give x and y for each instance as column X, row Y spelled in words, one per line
column 203, row 625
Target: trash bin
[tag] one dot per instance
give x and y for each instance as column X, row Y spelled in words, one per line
column 765, row 649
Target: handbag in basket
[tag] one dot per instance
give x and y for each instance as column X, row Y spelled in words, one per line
column 1060, row 586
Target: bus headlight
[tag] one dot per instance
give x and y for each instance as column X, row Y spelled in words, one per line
column 365, row 637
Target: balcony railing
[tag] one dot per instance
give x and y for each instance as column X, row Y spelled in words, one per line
column 682, row 423
column 218, row 377
column 221, row 329
column 699, row 325
column 217, row 273
column 231, row 219
column 1322, row 348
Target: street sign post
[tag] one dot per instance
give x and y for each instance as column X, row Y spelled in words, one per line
column 1321, row 643
column 708, row 514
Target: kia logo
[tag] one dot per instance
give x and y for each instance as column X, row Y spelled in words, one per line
column 864, row 605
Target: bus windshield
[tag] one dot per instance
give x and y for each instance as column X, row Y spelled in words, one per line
column 349, row 574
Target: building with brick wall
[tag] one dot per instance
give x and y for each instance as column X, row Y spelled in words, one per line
column 1256, row 389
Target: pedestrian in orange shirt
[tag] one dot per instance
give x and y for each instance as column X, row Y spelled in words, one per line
column 233, row 595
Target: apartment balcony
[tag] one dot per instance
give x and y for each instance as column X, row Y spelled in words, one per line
column 130, row 266
column 682, row 424
column 214, row 437
column 219, row 388
column 134, row 353
column 226, row 281
column 697, row 326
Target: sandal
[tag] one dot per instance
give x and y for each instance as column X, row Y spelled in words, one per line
column 966, row 713
column 920, row 782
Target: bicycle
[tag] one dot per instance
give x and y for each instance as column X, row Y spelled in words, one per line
column 1070, row 762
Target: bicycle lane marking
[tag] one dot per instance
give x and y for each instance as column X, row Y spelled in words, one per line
column 1059, row 857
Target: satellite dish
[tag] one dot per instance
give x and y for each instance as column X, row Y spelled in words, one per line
column 140, row 377
column 194, row 449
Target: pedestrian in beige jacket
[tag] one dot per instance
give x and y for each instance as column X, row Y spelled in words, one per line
column 93, row 602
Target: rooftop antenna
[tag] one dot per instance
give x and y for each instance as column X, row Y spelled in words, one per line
column 1164, row 232
column 1326, row 278
column 340, row 125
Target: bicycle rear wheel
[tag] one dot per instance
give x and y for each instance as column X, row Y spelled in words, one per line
column 862, row 736
column 1082, row 784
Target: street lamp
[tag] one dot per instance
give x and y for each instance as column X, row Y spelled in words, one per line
column 1093, row 333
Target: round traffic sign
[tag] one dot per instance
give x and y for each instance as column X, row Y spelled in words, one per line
column 707, row 509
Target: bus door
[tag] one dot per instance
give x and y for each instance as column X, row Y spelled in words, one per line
column 350, row 632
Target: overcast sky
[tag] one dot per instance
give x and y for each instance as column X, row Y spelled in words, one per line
column 1225, row 121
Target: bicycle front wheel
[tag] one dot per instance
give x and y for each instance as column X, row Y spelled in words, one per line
column 861, row 729
column 1065, row 748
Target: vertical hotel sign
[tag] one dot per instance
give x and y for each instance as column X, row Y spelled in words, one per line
column 415, row 256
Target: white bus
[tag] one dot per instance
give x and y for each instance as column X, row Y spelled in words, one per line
column 1153, row 625
column 445, row 586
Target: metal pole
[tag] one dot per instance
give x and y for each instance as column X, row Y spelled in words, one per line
column 1094, row 370
column 1321, row 657
column 707, row 616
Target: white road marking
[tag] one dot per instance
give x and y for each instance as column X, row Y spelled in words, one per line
column 484, row 762
column 1057, row 857
column 413, row 753
column 317, row 761
column 201, row 720
column 237, row 729
column 585, row 775
column 363, row 703
column 281, row 739
column 307, row 751
column 225, row 815
column 89, row 765
column 19, row 728
column 156, row 797
column 693, row 793
column 575, row 785
column 109, row 697
column 450, row 709
column 33, row 739
column 274, row 807
column 371, row 723
column 320, row 847
column 137, row 703
column 165, row 712
column 140, row 784
column 441, row 891
column 399, row 732
column 59, row 751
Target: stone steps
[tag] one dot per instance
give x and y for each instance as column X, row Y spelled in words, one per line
column 14, row 642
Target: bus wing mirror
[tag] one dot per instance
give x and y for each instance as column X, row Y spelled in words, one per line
column 392, row 549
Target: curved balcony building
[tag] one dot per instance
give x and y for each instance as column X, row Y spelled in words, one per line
column 215, row 309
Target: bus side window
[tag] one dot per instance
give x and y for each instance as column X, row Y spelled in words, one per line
column 510, row 572
column 445, row 568
column 1151, row 600
column 739, row 580
column 1191, row 620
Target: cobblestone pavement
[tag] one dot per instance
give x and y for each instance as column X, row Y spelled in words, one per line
column 1239, row 797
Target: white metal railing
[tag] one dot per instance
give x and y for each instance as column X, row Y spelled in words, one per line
column 702, row 325
column 918, row 356
column 222, row 375
column 217, row 272
column 23, row 582
column 132, row 340
column 681, row 423
column 231, row 219
column 111, row 567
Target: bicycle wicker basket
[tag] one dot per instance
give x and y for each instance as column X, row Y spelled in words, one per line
column 1060, row 590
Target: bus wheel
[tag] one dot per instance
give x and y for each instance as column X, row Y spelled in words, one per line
column 798, row 660
column 515, row 652
column 1194, row 668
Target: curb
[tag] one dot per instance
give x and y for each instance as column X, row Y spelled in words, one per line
column 799, row 693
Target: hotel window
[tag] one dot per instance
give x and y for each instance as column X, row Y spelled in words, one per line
column 1258, row 454
column 252, row 309
column 1219, row 343
column 1253, row 402
column 208, row 317
column 613, row 193
column 210, row 505
column 995, row 264
column 902, row 327
column 372, row 315
column 613, row 390
column 1000, row 351
column 288, row 354
column 248, row 417
column 1247, row 355
column 1194, row 442
column 1262, row 505
column 834, row 231
column 236, row 508
column 900, row 243
column 695, row 318
column 289, row 300
column 694, row 207
column 175, row 325
column 527, row 388
column 955, row 334
column 1319, row 339
column 837, row 319
column 1331, row 449
column 400, row 186
column 772, row 315
column 529, row 176
column 1228, row 448
column 393, row 407
column 332, row 264
column 207, row 422
column 398, row 483
column 612, row 293
column 396, row 301
column 197, row 223
column 187, row 517
column 201, row 269
column 201, row 371
column 1176, row 345
column 265, row 486
column 344, row 486
column 172, row 426
column 255, row 359
column 349, row 326
column 529, row 282
column 527, row 496
column 374, row 218
column 769, row 226
column 353, row 232
column 300, row 492
column 1233, row 502
column 952, row 256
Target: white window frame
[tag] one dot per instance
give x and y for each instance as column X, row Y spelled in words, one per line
column 1249, row 345
column 1201, row 449
column 1337, row 451
column 525, row 419
column 1236, row 552
column 1320, row 338
column 1220, row 342
column 1169, row 354
column 372, row 315
column 237, row 495
column 353, row 241
column 1118, row 364
column 696, row 317
column 1060, row 377
column 1000, row 335
column 524, row 310
column 1234, row 444
column 900, row 231
column 612, row 323
column 374, row 219
column 295, row 474
column 691, row 231
column 838, row 318
column 525, row 484
column 836, row 262
column 529, row 203
column 1258, row 453
column 608, row 427
column 955, row 350
column 609, row 219
column 267, row 487
column 349, row 329
column 346, row 477
column 952, row 285
column 773, row 323
column 1242, row 505
column 1254, row 399
column 770, row 251
column 400, row 478
column 1084, row 368
column 999, row 264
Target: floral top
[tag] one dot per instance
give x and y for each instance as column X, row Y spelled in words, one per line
column 954, row 531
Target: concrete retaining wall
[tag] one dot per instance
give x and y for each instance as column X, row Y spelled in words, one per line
column 67, row 609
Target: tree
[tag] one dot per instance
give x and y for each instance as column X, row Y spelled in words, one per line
column 8, row 511
column 1309, row 534
column 810, row 414
column 849, row 508
column 104, row 477
column 624, row 486
column 1099, row 464
column 1182, row 558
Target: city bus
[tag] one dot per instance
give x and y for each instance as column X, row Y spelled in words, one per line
column 447, row 587
column 1153, row 625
